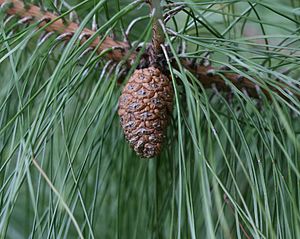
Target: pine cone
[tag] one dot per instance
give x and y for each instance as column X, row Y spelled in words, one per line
column 144, row 109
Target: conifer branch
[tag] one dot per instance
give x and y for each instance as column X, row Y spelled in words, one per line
column 52, row 23
column 206, row 74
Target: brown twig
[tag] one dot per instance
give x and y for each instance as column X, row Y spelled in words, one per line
column 158, row 37
column 60, row 26
column 208, row 77
column 205, row 73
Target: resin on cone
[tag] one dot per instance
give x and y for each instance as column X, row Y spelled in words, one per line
column 144, row 109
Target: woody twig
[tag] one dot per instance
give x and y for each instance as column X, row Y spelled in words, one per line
column 52, row 23
column 158, row 34
column 205, row 73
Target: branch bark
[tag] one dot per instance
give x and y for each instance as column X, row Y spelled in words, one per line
column 59, row 26
column 205, row 74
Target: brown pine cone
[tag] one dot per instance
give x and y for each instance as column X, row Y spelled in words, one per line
column 144, row 109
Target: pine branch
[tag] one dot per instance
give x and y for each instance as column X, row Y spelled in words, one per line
column 205, row 74
column 52, row 23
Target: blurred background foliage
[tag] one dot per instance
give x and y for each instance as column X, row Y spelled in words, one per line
column 230, row 164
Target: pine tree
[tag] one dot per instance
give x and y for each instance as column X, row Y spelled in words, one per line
column 223, row 147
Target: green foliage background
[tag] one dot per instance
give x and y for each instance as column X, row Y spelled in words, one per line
column 229, row 169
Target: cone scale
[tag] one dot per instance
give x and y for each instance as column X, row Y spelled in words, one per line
column 145, row 106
